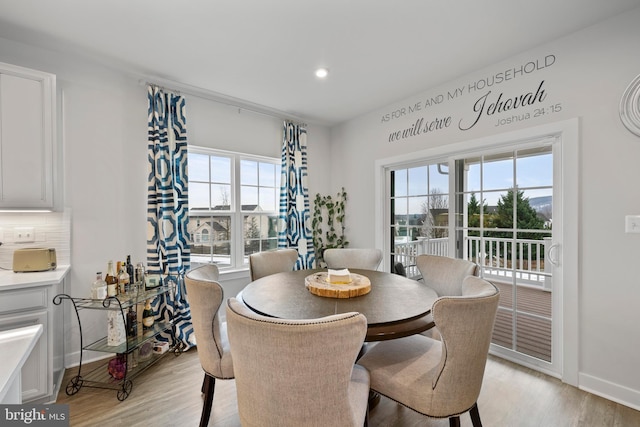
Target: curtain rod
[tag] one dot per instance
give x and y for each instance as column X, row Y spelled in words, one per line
column 219, row 98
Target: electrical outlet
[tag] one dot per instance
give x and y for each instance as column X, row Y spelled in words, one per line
column 632, row 224
column 24, row 235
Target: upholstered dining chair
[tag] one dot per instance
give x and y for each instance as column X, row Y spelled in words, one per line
column 445, row 275
column 364, row 258
column 440, row 379
column 270, row 262
column 205, row 296
column 298, row 372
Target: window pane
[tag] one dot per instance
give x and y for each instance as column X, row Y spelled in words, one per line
column 221, row 169
column 221, row 197
column 418, row 181
column 260, row 233
column 438, row 181
column 500, row 210
column 210, row 239
column 268, row 199
column 267, row 174
column 249, row 198
column 473, row 174
column 498, row 173
column 248, row 172
column 198, row 167
column 198, row 195
column 534, row 170
column 533, row 208
column 400, row 182
column 418, row 205
column 400, row 206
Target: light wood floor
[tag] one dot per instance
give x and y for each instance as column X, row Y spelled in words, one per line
column 168, row 394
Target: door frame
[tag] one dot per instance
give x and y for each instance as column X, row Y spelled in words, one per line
column 566, row 343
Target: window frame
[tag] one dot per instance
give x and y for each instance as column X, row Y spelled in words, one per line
column 236, row 214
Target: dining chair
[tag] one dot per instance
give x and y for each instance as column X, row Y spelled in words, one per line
column 445, row 275
column 298, row 372
column 440, row 378
column 363, row 258
column 270, row 262
column 205, row 296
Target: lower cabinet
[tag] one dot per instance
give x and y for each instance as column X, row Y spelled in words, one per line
column 35, row 373
column 31, row 305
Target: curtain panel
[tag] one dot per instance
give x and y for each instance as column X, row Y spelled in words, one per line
column 168, row 250
column 294, row 223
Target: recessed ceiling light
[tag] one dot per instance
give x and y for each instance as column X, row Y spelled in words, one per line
column 322, row 73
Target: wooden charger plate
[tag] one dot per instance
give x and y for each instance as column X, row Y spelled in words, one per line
column 318, row 284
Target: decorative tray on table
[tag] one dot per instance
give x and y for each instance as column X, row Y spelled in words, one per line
column 355, row 286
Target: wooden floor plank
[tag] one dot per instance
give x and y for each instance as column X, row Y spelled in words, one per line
column 168, row 395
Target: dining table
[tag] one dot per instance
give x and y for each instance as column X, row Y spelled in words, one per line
column 395, row 306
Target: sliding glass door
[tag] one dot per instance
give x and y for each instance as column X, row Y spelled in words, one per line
column 496, row 208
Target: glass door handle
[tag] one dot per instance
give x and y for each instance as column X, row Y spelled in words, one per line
column 552, row 254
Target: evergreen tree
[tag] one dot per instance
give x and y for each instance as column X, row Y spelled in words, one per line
column 473, row 211
column 526, row 218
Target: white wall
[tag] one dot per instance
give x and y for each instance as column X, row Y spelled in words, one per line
column 587, row 78
column 103, row 135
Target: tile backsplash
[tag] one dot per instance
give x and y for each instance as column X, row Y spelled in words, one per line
column 50, row 230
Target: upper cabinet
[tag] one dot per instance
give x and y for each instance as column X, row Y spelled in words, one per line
column 27, row 138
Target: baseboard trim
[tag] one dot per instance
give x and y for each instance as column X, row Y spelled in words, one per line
column 611, row 391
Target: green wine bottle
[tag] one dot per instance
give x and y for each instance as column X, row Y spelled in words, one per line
column 147, row 315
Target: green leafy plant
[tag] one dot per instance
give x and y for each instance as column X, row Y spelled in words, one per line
column 328, row 223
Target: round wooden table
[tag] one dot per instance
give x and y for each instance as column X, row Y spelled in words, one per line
column 395, row 307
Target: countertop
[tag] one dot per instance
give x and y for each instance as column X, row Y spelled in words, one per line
column 10, row 280
column 15, row 347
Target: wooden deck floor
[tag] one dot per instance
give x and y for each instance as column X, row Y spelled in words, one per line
column 533, row 320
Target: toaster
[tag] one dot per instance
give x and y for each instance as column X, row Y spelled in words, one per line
column 34, row 259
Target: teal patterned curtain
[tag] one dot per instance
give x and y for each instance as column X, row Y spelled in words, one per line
column 294, row 223
column 168, row 250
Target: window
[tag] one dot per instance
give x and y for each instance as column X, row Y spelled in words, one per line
column 419, row 213
column 233, row 206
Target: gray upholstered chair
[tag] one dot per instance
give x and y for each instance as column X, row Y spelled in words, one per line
column 440, row 379
column 364, row 258
column 445, row 275
column 298, row 372
column 205, row 296
column 270, row 262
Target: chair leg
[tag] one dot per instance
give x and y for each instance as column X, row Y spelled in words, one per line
column 204, row 384
column 209, row 386
column 454, row 421
column 366, row 417
column 475, row 416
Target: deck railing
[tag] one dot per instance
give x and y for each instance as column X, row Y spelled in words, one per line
column 500, row 258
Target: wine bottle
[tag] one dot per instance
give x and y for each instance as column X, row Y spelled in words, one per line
column 99, row 287
column 147, row 315
column 123, row 280
column 112, row 281
column 132, row 322
column 131, row 272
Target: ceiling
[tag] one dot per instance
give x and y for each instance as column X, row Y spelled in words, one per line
column 264, row 52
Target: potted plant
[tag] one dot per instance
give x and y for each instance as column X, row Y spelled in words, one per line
column 328, row 223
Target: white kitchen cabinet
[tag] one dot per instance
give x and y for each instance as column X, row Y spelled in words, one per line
column 35, row 371
column 27, row 138
column 26, row 299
